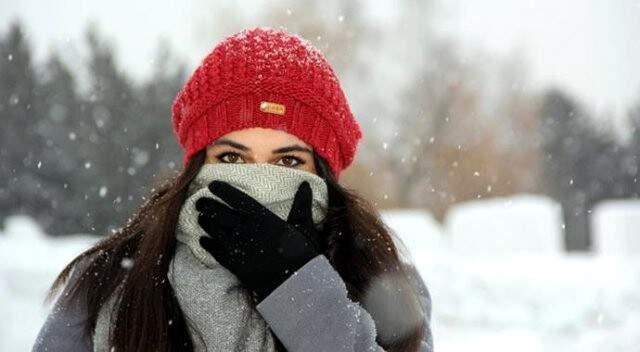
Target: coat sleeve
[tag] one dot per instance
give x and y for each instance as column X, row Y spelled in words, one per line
column 311, row 312
column 63, row 329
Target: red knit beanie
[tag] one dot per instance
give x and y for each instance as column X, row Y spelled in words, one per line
column 263, row 77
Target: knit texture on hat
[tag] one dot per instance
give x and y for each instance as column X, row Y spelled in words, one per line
column 261, row 67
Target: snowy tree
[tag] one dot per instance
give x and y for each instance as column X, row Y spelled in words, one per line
column 583, row 164
column 631, row 161
column 60, row 161
column 82, row 161
column 20, row 183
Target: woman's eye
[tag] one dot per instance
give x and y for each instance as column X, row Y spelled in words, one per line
column 291, row 161
column 229, row 157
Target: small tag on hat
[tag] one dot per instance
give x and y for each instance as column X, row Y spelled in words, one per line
column 272, row 108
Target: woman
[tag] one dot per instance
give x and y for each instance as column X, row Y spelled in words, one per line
column 254, row 245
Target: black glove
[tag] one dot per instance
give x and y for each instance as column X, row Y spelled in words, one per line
column 252, row 242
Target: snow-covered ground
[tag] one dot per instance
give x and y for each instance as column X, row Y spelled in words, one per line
column 525, row 223
column 521, row 294
column 29, row 262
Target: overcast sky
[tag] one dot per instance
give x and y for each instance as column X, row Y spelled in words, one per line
column 590, row 47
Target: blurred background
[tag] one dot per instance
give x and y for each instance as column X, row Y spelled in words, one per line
column 501, row 143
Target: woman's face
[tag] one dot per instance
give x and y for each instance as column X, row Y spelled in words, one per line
column 262, row 145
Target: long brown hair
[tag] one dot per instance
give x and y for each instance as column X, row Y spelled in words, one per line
column 358, row 244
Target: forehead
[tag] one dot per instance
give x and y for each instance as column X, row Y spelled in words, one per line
column 259, row 136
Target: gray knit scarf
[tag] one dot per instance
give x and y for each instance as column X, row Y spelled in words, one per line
column 217, row 308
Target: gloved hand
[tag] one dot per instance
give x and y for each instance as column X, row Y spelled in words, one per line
column 252, row 242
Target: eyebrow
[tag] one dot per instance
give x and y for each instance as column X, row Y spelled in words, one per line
column 293, row 147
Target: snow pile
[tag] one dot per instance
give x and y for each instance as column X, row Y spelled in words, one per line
column 522, row 224
column 615, row 225
column 415, row 229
